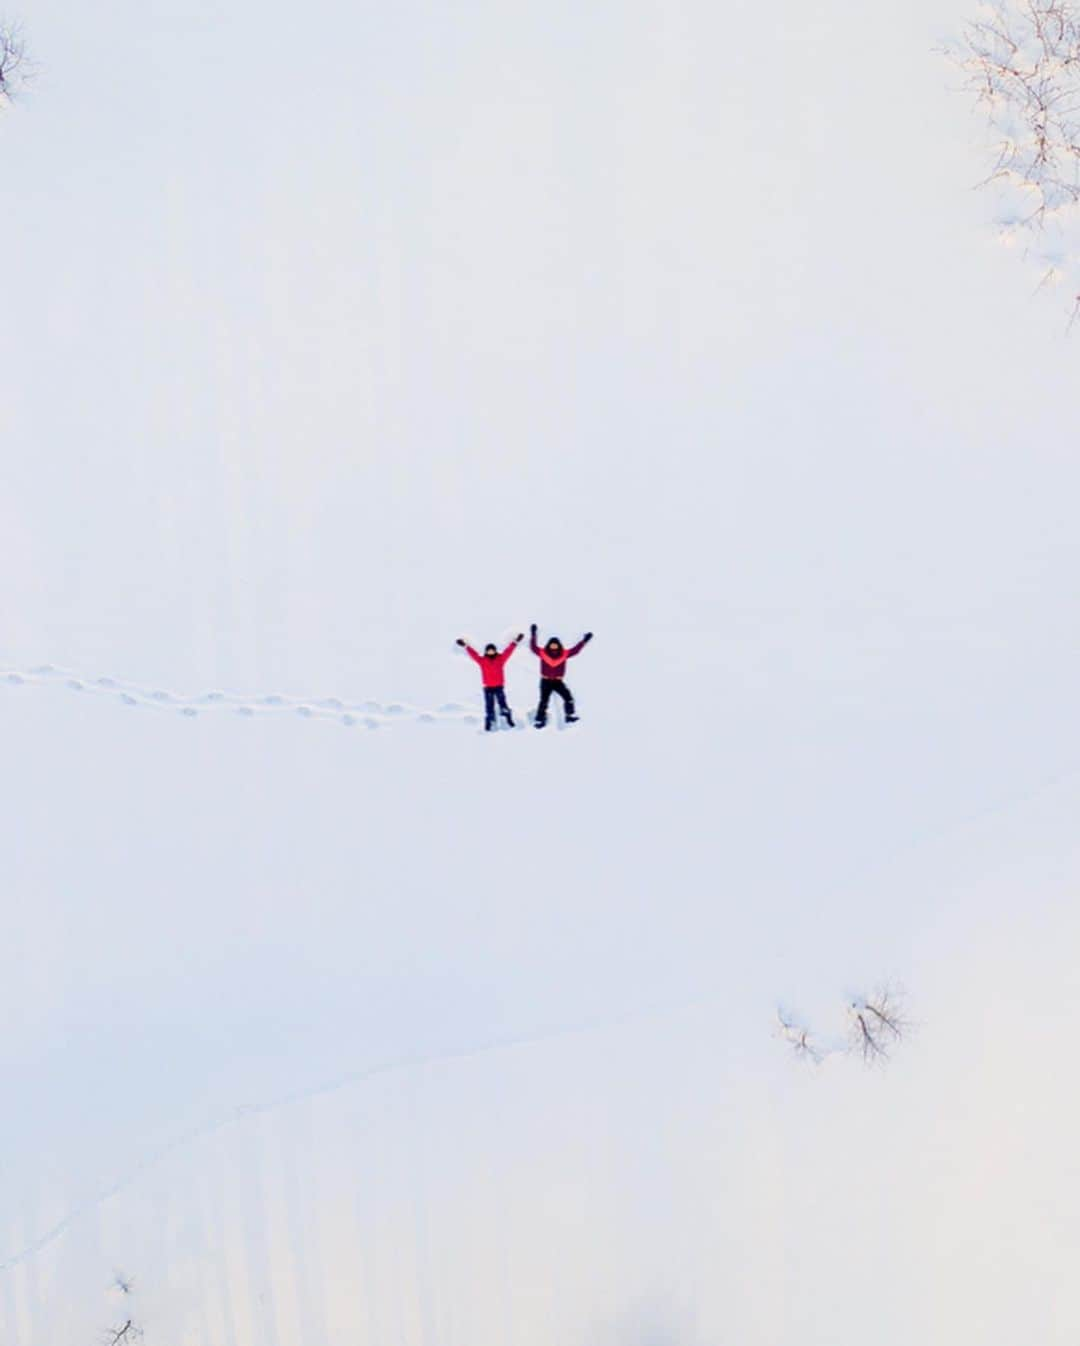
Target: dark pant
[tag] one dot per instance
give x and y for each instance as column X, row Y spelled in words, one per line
column 495, row 696
column 559, row 688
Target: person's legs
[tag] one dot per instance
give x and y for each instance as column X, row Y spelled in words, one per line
column 489, row 707
column 500, row 697
column 567, row 699
column 547, row 686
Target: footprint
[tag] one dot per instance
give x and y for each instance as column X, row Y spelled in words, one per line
column 189, row 711
column 371, row 706
column 106, row 682
column 273, row 700
column 74, row 684
column 349, row 720
column 426, row 718
column 451, row 708
column 162, row 696
column 215, row 696
column 369, row 723
column 395, row 709
column 128, row 700
column 44, row 669
column 332, row 703
column 305, row 711
column 471, row 719
column 246, row 711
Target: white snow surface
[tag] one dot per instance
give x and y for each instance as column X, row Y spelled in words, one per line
column 343, row 1022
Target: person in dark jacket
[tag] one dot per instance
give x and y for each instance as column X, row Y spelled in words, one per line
column 553, row 657
column 492, row 663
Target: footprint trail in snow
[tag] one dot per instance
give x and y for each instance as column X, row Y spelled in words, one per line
column 350, row 714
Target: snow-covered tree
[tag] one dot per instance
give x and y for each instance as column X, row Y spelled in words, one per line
column 876, row 1025
column 15, row 69
column 124, row 1331
column 1021, row 59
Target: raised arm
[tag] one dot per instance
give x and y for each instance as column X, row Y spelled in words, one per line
column 576, row 649
column 470, row 651
column 512, row 647
column 532, row 639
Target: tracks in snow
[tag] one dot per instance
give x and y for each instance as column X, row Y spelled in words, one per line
column 350, row 714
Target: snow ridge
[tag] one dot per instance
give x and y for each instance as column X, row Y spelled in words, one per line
column 351, row 1080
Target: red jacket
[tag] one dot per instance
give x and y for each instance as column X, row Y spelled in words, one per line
column 492, row 669
column 554, row 666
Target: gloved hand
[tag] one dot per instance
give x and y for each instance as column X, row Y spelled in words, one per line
column 588, row 637
column 519, row 637
column 460, row 642
column 532, row 629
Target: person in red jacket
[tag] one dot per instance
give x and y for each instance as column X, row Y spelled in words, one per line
column 553, row 657
column 492, row 664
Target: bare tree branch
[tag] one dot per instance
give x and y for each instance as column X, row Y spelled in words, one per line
column 16, row 70
column 127, row 1333
column 799, row 1038
column 877, row 1023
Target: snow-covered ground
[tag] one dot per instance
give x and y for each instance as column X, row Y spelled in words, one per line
column 439, row 1038
column 429, row 1036
column 328, row 1017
